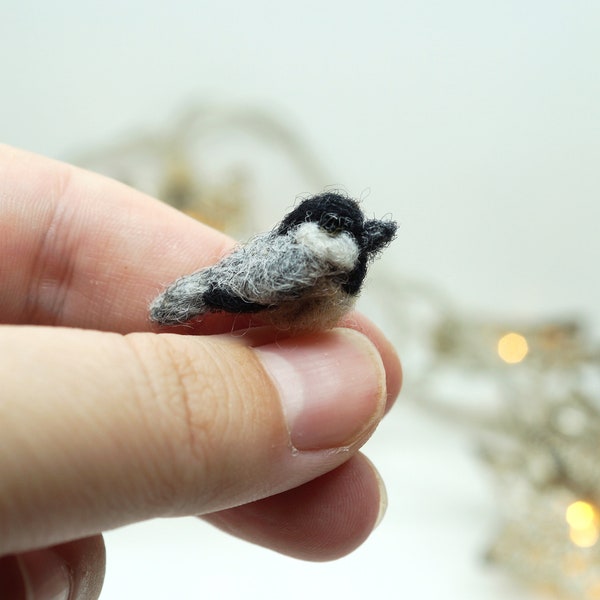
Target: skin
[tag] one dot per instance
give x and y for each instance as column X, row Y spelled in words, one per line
column 114, row 421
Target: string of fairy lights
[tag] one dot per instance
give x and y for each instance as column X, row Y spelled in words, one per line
column 530, row 397
column 581, row 516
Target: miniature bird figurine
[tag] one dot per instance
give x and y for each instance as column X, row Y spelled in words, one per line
column 304, row 275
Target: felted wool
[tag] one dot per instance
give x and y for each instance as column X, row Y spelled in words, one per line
column 304, row 275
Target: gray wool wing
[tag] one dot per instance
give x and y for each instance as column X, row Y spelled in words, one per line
column 270, row 269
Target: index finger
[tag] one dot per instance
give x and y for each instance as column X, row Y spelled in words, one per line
column 81, row 250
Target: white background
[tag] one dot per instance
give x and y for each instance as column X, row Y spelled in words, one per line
column 476, row 123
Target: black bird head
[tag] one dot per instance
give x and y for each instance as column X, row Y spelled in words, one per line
column 336, row 214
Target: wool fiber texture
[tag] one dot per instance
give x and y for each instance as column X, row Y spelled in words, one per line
column 302, row 276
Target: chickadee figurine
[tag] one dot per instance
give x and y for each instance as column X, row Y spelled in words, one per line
column 304, row 275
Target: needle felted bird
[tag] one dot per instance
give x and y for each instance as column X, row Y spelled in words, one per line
column 304, row 275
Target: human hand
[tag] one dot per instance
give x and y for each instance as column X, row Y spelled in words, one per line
column 104, row 421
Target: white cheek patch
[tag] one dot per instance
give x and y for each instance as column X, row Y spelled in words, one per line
column 340, row 250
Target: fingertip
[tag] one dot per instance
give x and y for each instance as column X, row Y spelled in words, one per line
column 322, row 520
column 331, row 386
column 70, row 570
column 86, row 560
column 389, row 355
column 383, row 497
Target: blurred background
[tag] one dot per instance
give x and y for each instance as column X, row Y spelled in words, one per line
column 476, row 125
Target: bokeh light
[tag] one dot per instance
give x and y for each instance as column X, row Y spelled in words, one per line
column 512, row 348
column 582, row 519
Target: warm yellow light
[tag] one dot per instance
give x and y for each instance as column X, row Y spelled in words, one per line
column 583, row 521
column 584, row 538
column 512, row 348
column 593, row 591
column 580, row 515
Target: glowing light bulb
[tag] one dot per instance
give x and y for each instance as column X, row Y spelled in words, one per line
column 584, row 538
column 512, row 348
column 580, row 515
column 582, row 518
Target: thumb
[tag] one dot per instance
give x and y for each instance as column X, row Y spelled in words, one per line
column 99, row 429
